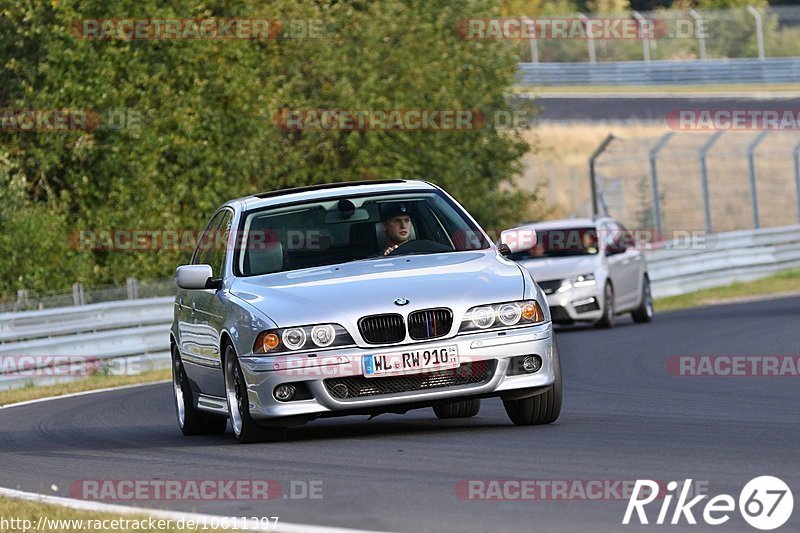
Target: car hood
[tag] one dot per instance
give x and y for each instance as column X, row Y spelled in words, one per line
column 553, row 268
column 344, row 293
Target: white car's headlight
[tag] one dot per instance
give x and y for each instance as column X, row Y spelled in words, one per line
column 283, row 340
column 584, row 280
column 502, row 315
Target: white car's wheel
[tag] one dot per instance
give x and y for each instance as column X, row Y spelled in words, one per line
column 609, row 312
column 644, row 313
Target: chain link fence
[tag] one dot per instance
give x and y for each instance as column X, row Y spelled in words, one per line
column 666, row 35
column 692, row 181
column 134, row 289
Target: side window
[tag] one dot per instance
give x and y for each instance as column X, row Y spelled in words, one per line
column 205, row 247
column 219, row 248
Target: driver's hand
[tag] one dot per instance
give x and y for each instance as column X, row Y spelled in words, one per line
column 390, row 249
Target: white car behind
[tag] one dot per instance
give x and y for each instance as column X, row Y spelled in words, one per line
column 589, row 271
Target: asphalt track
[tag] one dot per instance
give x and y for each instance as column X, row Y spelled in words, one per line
column 624, row 417
column 648, row 107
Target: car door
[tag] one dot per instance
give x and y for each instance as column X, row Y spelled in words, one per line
column 207, row 304
column 628, row 265
column 197, row 342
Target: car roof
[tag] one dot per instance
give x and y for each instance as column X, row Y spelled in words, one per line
column 328, row 190
column 567, row 223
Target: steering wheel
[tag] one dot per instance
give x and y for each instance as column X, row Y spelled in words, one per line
column 419, row 245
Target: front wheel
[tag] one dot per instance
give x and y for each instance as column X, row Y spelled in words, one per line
column 544, row 408
column 191, row 420
column 457, row 409
column 644, row 313
column 609, row 313
column 246, row 429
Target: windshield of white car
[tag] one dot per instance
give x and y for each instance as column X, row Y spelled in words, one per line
column 560, row 242
column 353, row 228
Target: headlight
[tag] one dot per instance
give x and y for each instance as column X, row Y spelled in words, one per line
column 503, row 315
column 314, row 337
column 584, row 280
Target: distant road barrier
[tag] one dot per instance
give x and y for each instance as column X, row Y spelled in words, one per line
column 689, row 72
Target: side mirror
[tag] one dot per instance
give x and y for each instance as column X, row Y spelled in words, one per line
column 196, row 277
column 615, row 248
column 517, row 240
column 504, row 250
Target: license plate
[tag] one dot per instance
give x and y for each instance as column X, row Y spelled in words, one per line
column 411, row 361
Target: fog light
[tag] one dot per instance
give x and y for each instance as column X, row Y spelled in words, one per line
column 532, row 363
column 284, row 393
column 340, row 391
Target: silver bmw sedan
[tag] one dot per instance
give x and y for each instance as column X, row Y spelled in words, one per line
column 355, row 298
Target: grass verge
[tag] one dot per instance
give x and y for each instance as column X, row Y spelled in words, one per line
column 786, row 282
column 31, row 392
column 22, row 515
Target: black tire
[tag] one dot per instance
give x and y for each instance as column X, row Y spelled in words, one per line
column 544, row 408
column 191, row 420
column 609, row 316
column 457, row 409
column 644, row 313
column 247, row 430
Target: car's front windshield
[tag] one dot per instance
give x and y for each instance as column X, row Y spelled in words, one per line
column 563, row 242
column 351, row 228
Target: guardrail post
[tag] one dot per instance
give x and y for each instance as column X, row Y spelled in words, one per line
column 589, row 38
column 759, row 31
column 78, row 294
column 22, row 299
column 654, row 176
column 796, row 157
column 533, row 42
column 751, row 163
column 592, row 174
column 645, row 34
column 133, row 288
column 704, row 177
column 699, row 28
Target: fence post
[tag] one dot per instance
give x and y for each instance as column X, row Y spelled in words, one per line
column 78, row 295
column 796, row 157
column 589, row 38
column 704, row 177
column 645, row 35
column 592, row 174
column 22, row 299
column 759, row 31
column 699, row 28
column 133, row 288
column 751, row 163
column 533, row 42
column 654, row 175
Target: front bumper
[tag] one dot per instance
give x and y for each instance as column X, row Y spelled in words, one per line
column 577, row 304
column 263, row 374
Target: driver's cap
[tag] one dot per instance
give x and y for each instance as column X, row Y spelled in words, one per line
column 393, row 209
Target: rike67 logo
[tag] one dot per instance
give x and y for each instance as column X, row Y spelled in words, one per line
column 765, row 503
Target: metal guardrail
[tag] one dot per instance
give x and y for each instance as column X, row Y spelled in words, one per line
column 727, row 258
column 137, row 331
column 771, row 70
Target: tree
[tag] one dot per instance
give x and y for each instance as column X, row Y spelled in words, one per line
column 207, row 111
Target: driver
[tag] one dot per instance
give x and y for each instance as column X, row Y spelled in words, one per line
column 396, row 224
